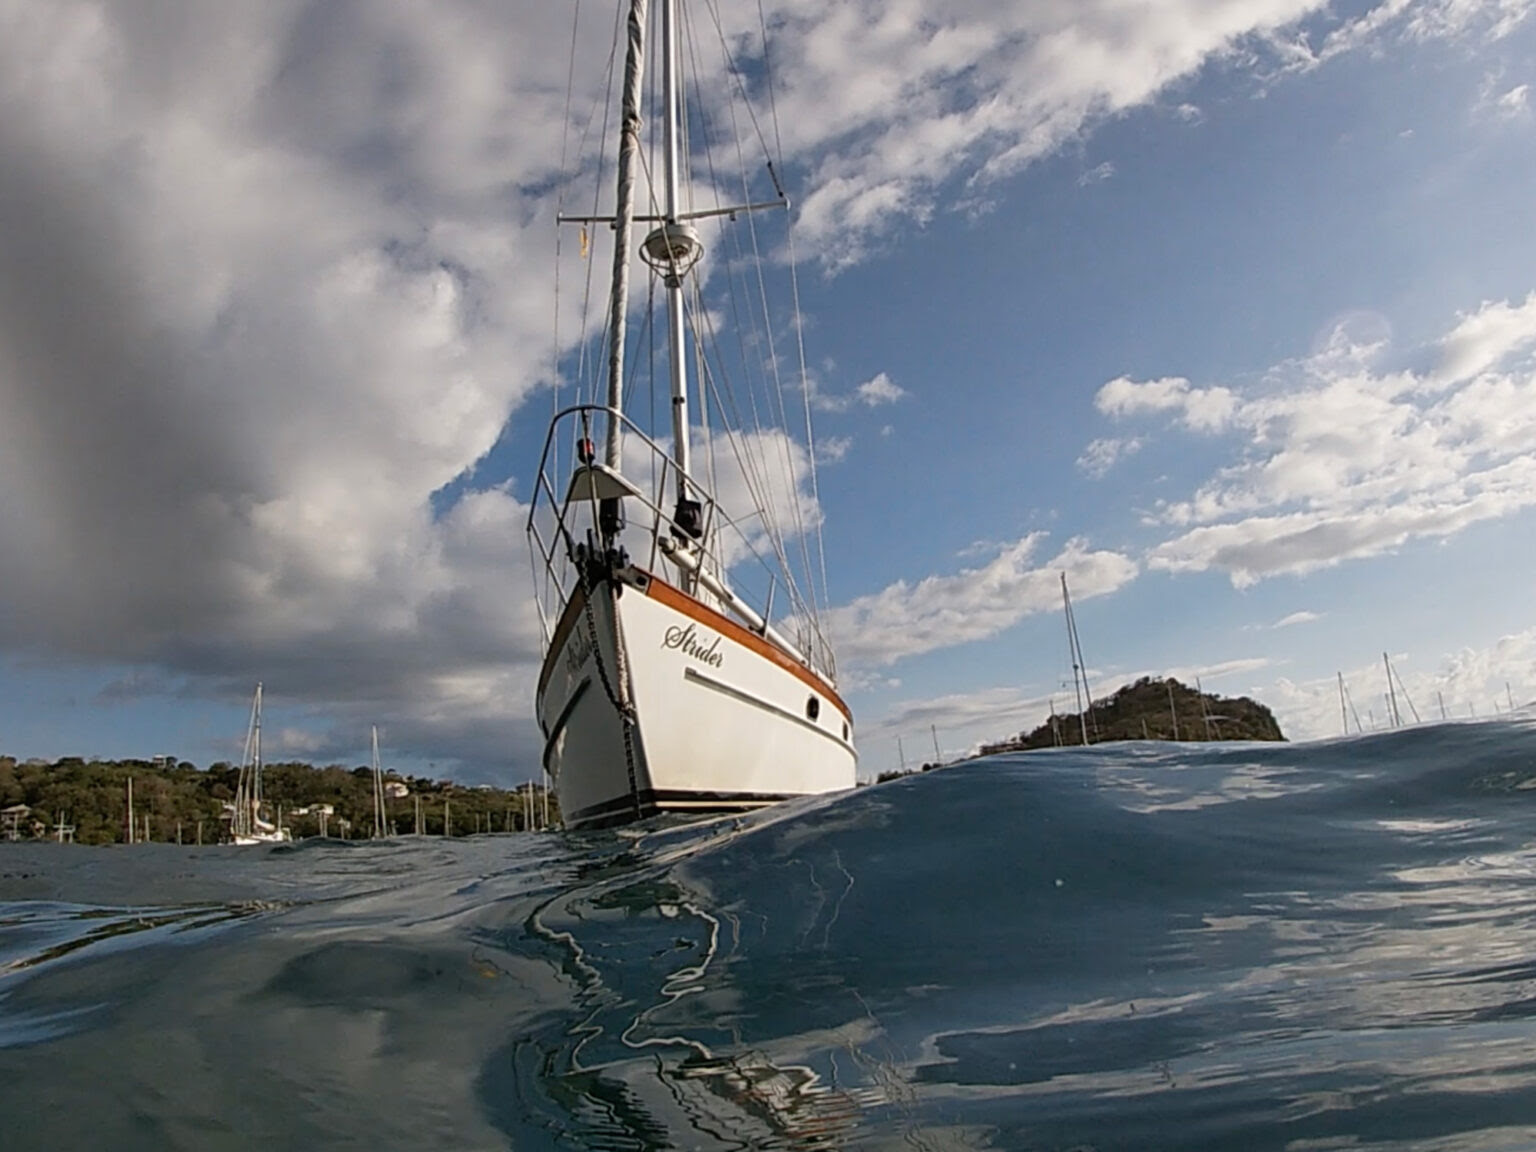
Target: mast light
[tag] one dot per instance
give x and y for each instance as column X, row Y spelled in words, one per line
column 673, row 249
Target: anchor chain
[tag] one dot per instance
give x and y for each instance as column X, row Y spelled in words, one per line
column 619, row 699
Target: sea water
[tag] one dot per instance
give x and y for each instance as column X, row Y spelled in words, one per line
column 1136, row 946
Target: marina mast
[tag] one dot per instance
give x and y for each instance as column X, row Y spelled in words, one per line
column 1079, row 669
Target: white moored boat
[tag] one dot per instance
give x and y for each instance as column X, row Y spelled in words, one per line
column 669, row 684
column 247, row 825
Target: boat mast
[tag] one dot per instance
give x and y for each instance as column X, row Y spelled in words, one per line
column 673, row 281
column 1079, row 670
column 671, row 251
column 629, row 151
column 1397, row 719
column 256, row 762
column 378, row 788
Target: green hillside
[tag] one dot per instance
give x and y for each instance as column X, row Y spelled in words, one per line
column 178, row 797
column 1153, row 709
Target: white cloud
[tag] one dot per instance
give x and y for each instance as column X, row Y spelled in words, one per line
column 877, row 390
column 298, row 742
column 1200, row 409
column 1101, row 455
column 1124, row 396
column 997, row 710
column 959, row 722
column 832, row 449
column 1456, row 19
column 1096, row 174
column 899, row 101
column 1486, row 338
column 1514, row 103
column 943, row 611
column 1204, row 672
column 1343, row 461
column 1260, row 546
column 1355, row 337
column 1422, row 20
column 1290, row 621
column 1295, row 618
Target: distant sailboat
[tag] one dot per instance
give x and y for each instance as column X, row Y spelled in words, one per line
column 1394, row 685
column 247, row 825
column 1079, row 666
column 1347, row 708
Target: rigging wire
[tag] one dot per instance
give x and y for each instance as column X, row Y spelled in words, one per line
column 750, row 461
column 565, row 143
column 598, row 356
column 584, row 346
column 543, row 586
column 773, row 520
column 730, row 242
column 748, row 454
column 794, row 277
column 777, row 393
column 735, row 73
column 773, row 103
column 693, row 305
column 802, row 531
column 800, row 525
column 810, row 441
column 772, row 358
column 658, row 481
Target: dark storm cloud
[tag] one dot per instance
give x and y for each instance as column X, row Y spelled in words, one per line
column 122, row 486
column 262, row 292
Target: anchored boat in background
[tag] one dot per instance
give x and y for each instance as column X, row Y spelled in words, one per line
column 661, row 554
column 246, row 823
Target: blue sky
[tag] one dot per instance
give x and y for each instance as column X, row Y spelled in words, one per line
column 1227, row 309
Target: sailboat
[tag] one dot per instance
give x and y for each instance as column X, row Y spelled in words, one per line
column 1079, row 666
column 380, row 820
column 669, row 684
column 246, row 824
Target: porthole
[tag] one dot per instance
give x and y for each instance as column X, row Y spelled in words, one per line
column 845, row 729
column 812, row 708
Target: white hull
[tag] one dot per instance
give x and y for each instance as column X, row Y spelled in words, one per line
column 263, row 838
column 722, row 719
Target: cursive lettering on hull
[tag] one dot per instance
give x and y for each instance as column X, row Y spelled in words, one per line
column 685, row 639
